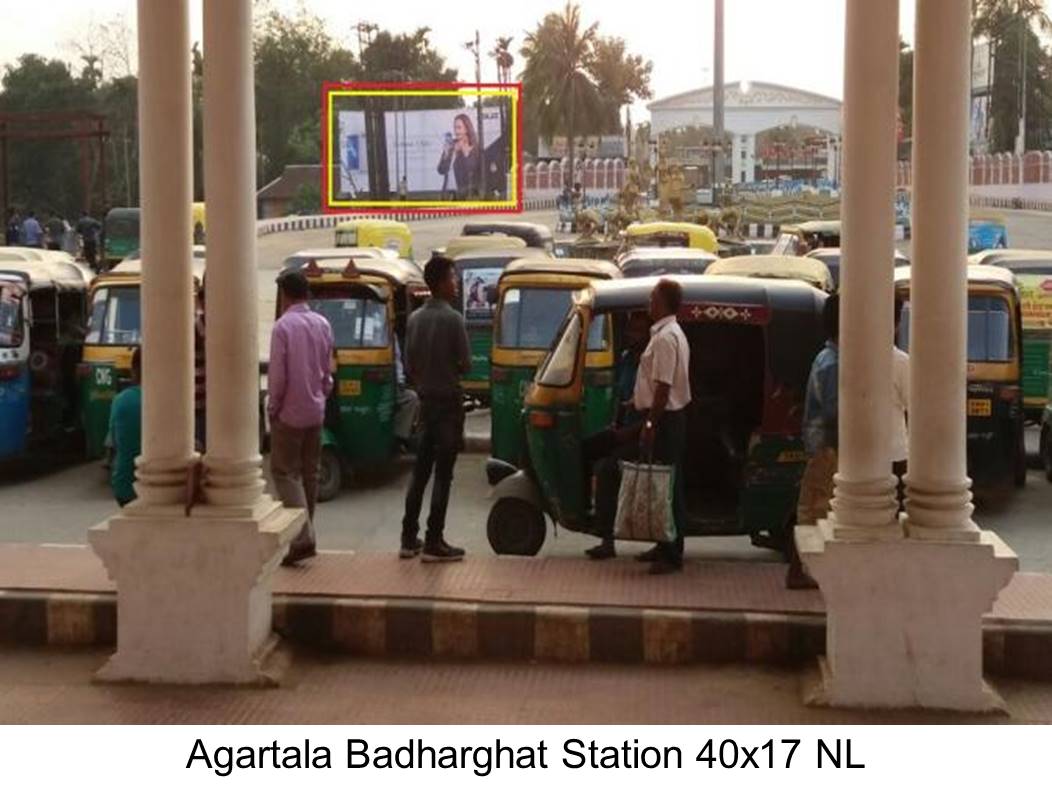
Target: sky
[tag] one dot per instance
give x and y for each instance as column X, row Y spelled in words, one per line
column 793, row 43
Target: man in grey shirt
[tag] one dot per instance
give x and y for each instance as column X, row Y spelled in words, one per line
column 437, row 354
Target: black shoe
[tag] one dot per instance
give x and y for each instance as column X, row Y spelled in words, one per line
column 604, row 550
column 662, row 567
column 649, row 555
column 441, row 551
column 410, row 548
column 297, row 554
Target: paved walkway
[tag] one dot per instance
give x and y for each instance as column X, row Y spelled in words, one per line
column 736, row 586
column 55, row 686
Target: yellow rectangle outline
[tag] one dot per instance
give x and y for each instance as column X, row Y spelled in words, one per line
column 409, row 204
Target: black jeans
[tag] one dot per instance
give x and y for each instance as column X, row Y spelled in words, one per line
column 670, row 442
column 442, row 423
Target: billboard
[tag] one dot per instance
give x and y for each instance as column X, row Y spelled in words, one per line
column 382, row 154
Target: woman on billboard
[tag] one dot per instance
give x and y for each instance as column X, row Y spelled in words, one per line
column 461, row 152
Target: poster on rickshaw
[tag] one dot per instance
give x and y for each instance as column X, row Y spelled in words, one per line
column 479, row 293
column 1035, row 295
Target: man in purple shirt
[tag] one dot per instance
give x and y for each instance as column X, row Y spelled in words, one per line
column 298, row 382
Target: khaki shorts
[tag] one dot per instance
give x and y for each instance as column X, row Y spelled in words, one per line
column 816, row 487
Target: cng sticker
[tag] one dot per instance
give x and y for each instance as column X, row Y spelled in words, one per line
column 104, row 376
column 351, row 388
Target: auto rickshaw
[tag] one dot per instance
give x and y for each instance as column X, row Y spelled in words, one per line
column 120, row 234
column 1033, row 275
column 830, row 257
column 43, row 306
column 644, row 261
column 671, row 234
column 798, row 240
column 533, row 296
column 114, row 331
column 801, row 268
column 752, row 343
column 996, row 449
column 986, row 231
column 9, row 253
column 476, row 242
column 535, row 235
column 390, row 234
column 366, row 301
column 478, row 272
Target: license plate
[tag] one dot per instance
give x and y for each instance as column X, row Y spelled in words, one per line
column 351, row 388
column 979, row 407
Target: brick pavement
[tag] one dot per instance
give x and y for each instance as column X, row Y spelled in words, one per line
column 55, row 686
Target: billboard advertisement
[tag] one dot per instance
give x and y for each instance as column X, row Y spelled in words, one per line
column 385, row 155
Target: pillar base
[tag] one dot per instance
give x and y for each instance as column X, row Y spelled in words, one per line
column 193, row 593
column 904, row 618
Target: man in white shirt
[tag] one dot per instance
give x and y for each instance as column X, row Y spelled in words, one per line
column 660, row 397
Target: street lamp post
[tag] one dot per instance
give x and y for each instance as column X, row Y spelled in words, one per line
column 475, row 49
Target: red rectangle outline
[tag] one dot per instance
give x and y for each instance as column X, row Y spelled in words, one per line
column 326, row 172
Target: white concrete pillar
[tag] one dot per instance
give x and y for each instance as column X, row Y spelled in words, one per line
column 938, row 489
column 166, row 188
column 233, row 476
column 864, row 503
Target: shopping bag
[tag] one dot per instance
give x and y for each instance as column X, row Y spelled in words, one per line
column 644, row 503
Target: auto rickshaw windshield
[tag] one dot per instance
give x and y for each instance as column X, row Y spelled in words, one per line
column 358, row 319
column 530, row 317
column 989, row 330
column 116, row 317
column 11, row 315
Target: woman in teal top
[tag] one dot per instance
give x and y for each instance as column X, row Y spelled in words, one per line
column 126, row 434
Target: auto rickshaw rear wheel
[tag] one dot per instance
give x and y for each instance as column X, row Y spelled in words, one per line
column 330, row 475
column 515, row 528
column 1046, row 453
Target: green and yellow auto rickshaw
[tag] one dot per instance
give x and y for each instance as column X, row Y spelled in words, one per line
column 366, row 301
column 478, row 272
column 1033, row 275
column 533, row 296
column 799, row 240
column 120, row 234
column 114, row 331
column 752, row 343
column 43, row 305
column 367, row 232
column 996, row 449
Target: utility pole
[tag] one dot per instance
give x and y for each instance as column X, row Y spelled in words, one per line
column 1024, row 25
column 717, row 101
column 475, row 48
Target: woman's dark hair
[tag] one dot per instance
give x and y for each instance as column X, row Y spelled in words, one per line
column 435, row 271
column 831, row 317
column 295, row 285
column 469, row 125
column 136, row 361
column 671, row 293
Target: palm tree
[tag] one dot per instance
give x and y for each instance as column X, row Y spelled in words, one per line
column 559, row 89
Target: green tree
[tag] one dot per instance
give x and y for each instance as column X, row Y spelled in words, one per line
column 558, row 88
column 620, row 78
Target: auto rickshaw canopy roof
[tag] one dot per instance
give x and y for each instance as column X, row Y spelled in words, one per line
column 698, row 236
column 813, row 227
column 341, row 253
column 998, row 256
column 15, row 253
column 535, row 235
column 901, row 259
column 502, row 253
column 130, row 271
column 649, row 253
column 626, row 294
column 400, row 272
column 464, row 244
column 800, row 268
column 977, row 274
column 588, row 268
column 46, row 274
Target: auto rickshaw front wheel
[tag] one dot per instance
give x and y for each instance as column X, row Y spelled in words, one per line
column 330, row 475
column 515, row 528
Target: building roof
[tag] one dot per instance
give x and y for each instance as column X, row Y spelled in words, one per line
column 287, row 185
column 759, row 94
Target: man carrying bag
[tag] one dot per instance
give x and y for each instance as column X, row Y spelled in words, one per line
column 637, row 508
